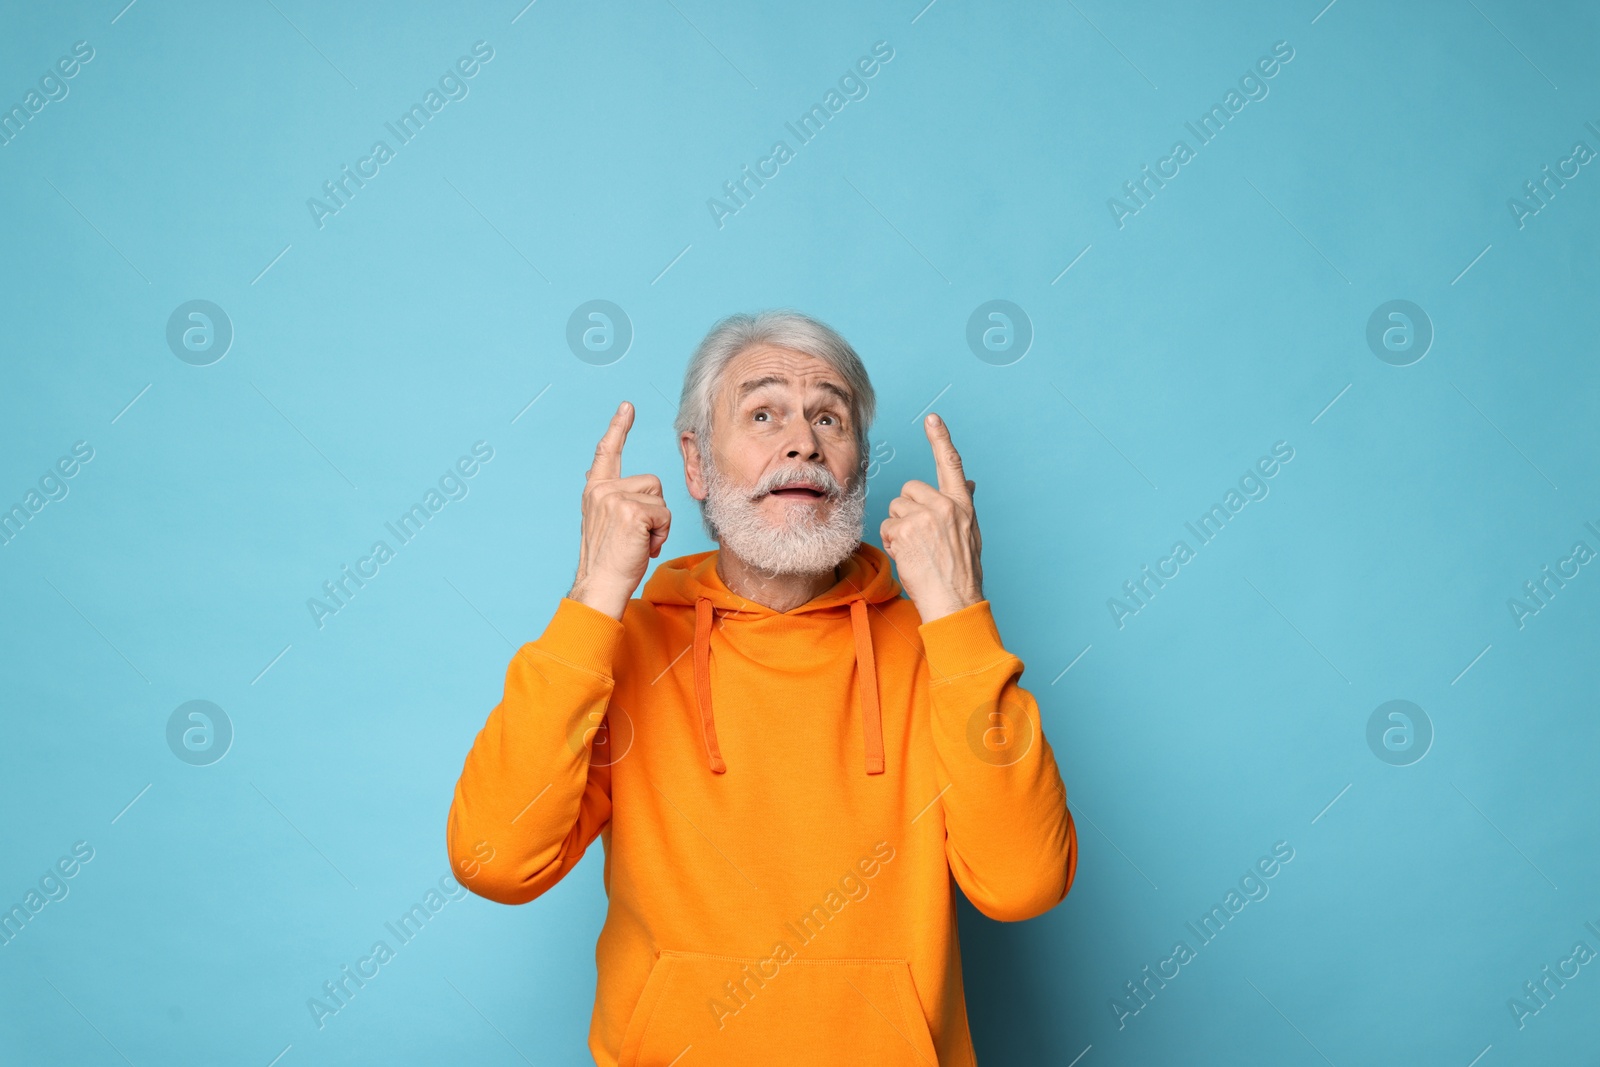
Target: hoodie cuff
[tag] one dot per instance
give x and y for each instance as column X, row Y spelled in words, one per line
column 580, row 637
column 962, row 642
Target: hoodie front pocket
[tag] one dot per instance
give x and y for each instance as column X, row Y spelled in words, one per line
column 698, row 1008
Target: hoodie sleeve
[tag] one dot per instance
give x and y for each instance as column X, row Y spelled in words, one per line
column 1010, row 839
column 530, row 800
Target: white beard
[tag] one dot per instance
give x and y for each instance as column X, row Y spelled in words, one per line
column 801, row 545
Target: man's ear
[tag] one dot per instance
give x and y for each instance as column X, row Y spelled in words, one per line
column 691, row 465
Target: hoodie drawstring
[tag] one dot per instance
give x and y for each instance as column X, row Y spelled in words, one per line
column 702, row 682
column 866, row 680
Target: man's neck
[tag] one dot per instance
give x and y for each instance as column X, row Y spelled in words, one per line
column 783, row 592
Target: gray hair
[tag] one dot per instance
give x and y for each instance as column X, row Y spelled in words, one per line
column 782, row 328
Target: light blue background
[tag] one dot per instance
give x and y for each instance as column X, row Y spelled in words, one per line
column 1227, row 315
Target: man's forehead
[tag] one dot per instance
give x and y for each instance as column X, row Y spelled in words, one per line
column 768, row 365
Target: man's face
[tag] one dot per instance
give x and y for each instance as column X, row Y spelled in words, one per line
column 785, row 459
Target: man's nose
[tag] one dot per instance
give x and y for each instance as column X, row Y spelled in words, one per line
column 803, row 444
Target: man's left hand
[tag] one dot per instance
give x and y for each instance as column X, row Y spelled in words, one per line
column 932, row 534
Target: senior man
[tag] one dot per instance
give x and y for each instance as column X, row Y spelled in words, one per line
column 786, row 759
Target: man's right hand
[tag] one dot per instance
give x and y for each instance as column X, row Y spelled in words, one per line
column 625, row 523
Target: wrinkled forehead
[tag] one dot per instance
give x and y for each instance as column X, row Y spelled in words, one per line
column 769, row 368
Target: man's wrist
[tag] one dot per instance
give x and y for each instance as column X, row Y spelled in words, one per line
column 947, row 605
column 609, row 599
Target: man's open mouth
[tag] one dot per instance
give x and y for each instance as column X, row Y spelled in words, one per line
column 798, row 492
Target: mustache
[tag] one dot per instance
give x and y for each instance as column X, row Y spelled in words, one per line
column 818, row 478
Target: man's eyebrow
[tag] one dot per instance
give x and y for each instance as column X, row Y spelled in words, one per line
column 746, row 388
column 775, row 379
column 835, row 390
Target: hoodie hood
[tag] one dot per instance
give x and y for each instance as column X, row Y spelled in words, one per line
column 865, row 578
column 864, row 575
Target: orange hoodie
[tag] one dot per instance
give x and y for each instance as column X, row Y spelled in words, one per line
column 783, row 799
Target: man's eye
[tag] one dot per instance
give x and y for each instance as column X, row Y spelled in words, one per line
column 828, row 419
column 760, row 415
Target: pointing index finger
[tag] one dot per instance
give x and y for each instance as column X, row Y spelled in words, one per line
column 608, row 453
column 946, row 460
